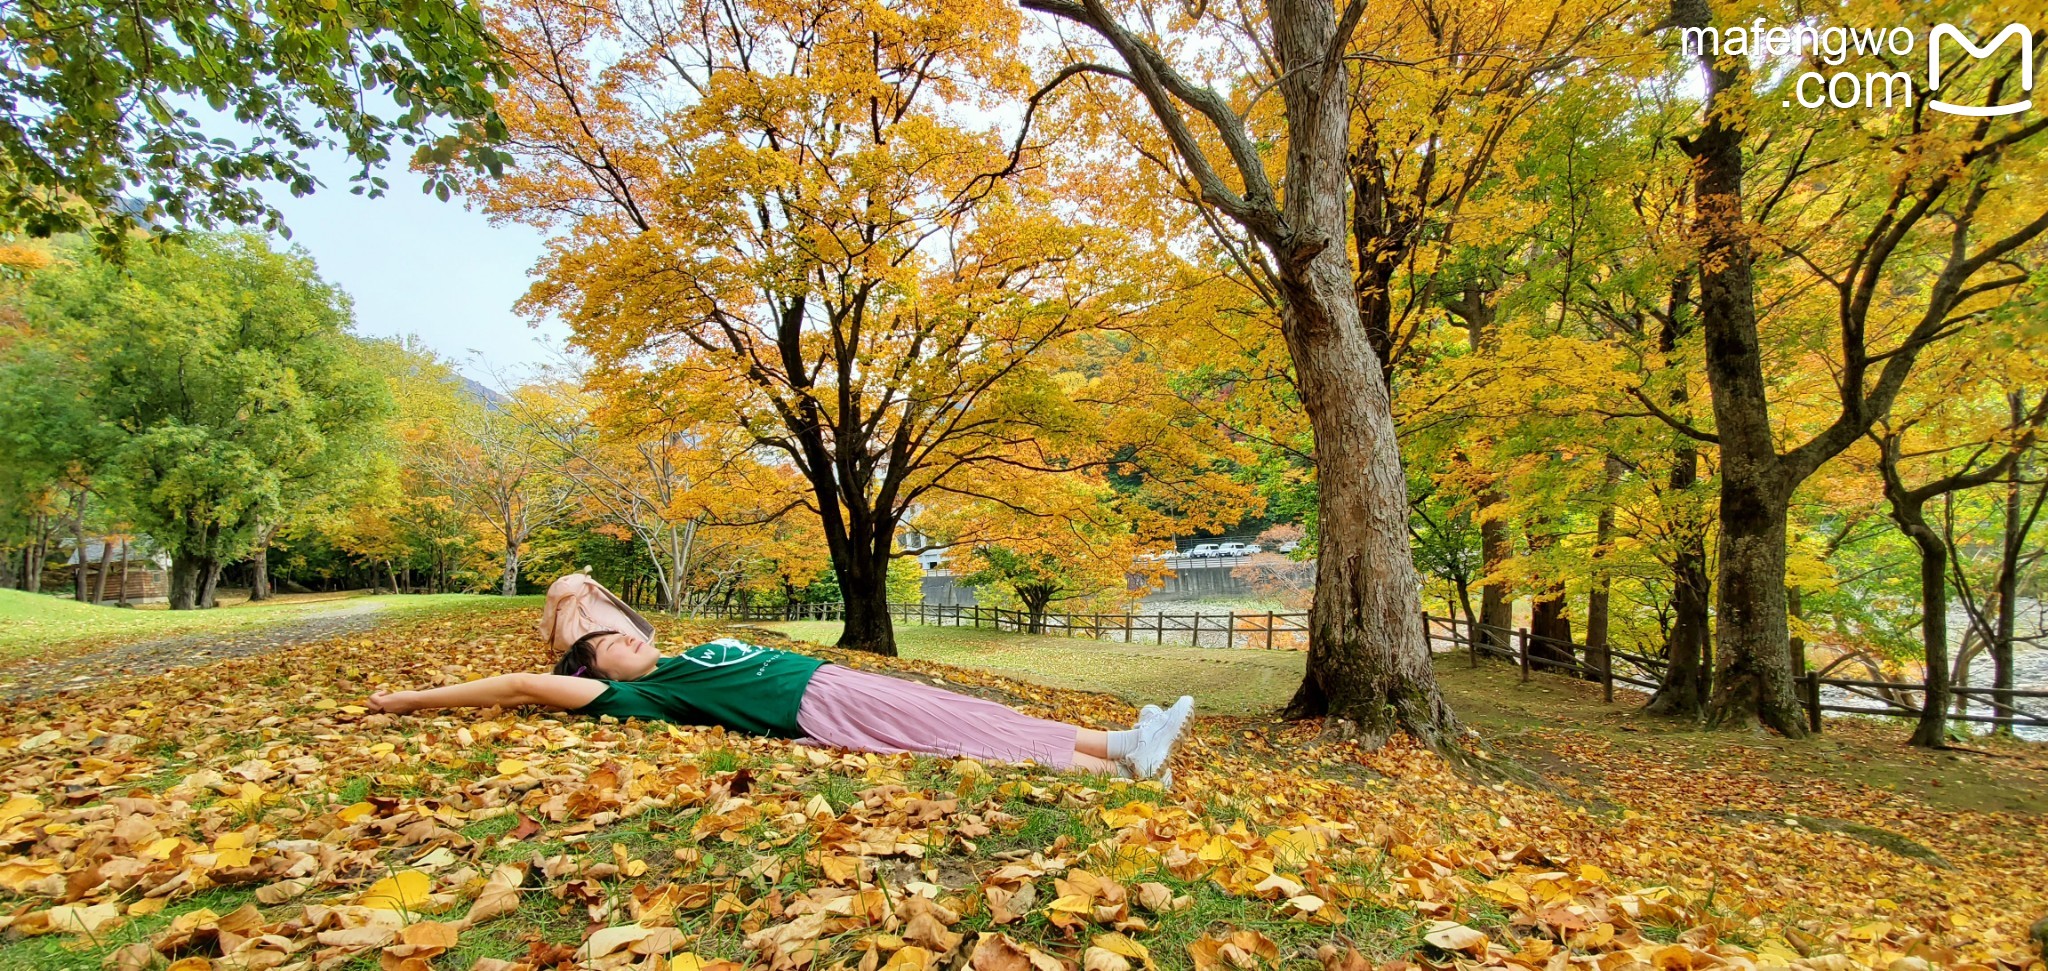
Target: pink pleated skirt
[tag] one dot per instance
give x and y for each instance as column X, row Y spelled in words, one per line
column 867, row 712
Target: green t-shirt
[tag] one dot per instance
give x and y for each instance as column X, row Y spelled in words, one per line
column 725, row 682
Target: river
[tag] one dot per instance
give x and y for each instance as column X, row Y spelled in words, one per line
column 2030, row 670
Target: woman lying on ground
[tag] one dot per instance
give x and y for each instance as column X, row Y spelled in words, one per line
column 609, row 666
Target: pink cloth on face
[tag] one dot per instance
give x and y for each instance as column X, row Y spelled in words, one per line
column 868, row 712
column 577, row 605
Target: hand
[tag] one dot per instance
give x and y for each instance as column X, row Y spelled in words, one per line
column 391, row 702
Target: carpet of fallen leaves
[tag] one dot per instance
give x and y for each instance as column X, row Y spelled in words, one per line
column 251, row 814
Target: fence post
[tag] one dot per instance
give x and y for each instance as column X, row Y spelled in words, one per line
column 1428, row 643
column 1522, row 636
column 1070, row 626
column 1158, row 628
column 1230, row 630
column 1812, row 680
column 1607, row 675
column 1472, row 636
column 1269, row 630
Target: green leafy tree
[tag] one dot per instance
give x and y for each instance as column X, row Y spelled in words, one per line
column 98, row 102
column 224, row 376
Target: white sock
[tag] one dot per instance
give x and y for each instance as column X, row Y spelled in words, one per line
column 1121, row 744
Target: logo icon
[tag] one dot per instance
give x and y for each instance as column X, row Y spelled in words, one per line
column 2026, row 44
column 723, row 652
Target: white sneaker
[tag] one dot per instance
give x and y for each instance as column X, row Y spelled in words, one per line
column 1148, row 715
column 1156, row 739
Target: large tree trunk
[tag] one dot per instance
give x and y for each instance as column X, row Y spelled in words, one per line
column 508, row 582
column 1754, row 681
column 1550, row 631
column 1754, row 684
column 1932, row 729
column 259, row 574
column 185, row 572
column 864, row 588
column 259, row 564
column 209, row 580
column 1035, row 603
column 1367, row 660
column 1368, row 663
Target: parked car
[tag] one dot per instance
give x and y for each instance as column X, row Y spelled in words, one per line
column 1230, row 549
column 1203, row 551
column 1250, row 548
column 1288, row 547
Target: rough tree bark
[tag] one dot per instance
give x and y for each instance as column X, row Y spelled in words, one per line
column 1036, row 597
column 1367, row 662
column 184, row 594
column 1754, row 681
column 259, row 564
column 508, row 581
column 209, row 581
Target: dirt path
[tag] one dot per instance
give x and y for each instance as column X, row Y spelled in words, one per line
column 30, row 677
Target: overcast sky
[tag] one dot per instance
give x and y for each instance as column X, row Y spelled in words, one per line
column 417, row 265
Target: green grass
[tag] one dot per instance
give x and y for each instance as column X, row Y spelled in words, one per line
column 40, row 624
column 71, row 952
column 1224, row 681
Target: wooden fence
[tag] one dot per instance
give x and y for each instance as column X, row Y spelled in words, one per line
column 1267, row 630
column 1288, row 630
column 1616, row 666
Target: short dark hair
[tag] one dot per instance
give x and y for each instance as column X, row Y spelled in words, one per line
column 580, row 660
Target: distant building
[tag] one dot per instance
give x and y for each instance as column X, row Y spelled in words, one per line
column 132, row 561
column 910, row 538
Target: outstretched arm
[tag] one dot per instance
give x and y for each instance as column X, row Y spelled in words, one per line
column 503, row 691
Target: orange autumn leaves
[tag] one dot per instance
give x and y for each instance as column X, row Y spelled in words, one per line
column 255, row 817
